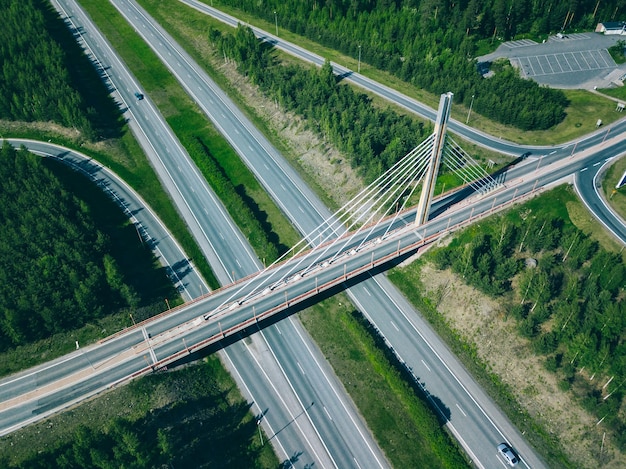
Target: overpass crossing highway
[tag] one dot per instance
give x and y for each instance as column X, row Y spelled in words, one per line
column 331, row 433
column 539, row 185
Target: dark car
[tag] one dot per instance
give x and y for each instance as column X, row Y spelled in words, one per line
column 138, row 95
column 508, row 454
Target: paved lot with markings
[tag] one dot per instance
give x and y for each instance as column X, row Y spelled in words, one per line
column 579, row 60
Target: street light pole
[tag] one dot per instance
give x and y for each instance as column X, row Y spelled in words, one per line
column 276, row 22
column 359, row 66
column 470, row 110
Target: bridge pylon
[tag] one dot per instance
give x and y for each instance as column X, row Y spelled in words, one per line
column 428, row 187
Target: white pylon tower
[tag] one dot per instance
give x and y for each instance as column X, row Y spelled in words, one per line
column 428, row 187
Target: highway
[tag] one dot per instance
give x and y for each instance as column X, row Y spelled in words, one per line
column 188, row 74
column 350, row 441
column 368, row 290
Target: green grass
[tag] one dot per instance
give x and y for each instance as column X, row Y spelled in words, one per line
column 199, row 403
column 616, row 197
column 395, row 410
column 186, row 119
column 560, row 202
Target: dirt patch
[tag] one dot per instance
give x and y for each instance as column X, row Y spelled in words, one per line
column 482, row 322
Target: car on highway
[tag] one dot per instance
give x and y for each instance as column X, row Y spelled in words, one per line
column 138, row 95
column 507, row 453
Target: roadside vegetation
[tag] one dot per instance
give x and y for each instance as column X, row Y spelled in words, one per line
column 192, row 417
column 41, row 81
column 249, row 205
column 616, row 197
column 391, row 402
column 617, row 52
column 62, row 267
column 384, row 35
column 564, row 294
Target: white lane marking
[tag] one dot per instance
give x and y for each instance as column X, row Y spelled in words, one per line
column 424, row 363
column 206, row 211
column 552, row 152
column 278, row 329
column 459, row 407
column 284, row 188
column 237, row 261
column 193, row 190
column 327, row 413
column 584, row 169
column 301, row 209
column 596, row 164
column 237, row 132
column 394, row 326
column 266, row 166
column 180, row 170
column 221, row 235
column 301, row 369
column 367, row 291
column 250, row 147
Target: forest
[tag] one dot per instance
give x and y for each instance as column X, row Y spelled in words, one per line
column 56, row 271
column 46, row 76
column 566, row 294
column 372, row 138
column 432, row 43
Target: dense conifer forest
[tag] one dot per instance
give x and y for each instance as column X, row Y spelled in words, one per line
column 45, row 75
column 56, row 272
column 432, row 43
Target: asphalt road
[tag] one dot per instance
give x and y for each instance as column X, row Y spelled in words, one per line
column 178, row 68
column 269, row 393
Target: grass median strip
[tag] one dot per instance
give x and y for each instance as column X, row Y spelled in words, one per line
column 191, row 125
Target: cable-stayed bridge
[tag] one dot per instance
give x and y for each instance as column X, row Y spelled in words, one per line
column 368, row 232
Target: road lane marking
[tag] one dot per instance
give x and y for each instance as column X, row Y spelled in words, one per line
column 327, row 413
column 596, row 164
column 284, row 188
column 427, row 367
column 221, row 236
column 367, row 291
column 300, row 209
column 584, row 169
column 301, row 370
column 552, row 152
column 394, row 326
column 206, row 211
column 464, row 414
column 237, row 261
column 278, row 329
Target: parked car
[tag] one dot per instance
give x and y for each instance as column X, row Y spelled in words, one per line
column 508, row 454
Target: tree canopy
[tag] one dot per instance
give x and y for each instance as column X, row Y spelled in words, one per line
column 56, row 271
column 432, row 43
column 45, row 75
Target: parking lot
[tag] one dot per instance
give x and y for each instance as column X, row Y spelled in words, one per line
column 537, row 65
column 579, row 60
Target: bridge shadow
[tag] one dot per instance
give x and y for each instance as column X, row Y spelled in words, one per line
column 262, row 324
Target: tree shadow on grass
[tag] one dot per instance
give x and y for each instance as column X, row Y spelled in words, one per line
column 261, row 216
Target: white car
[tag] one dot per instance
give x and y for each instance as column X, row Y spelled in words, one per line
column 508, row 454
